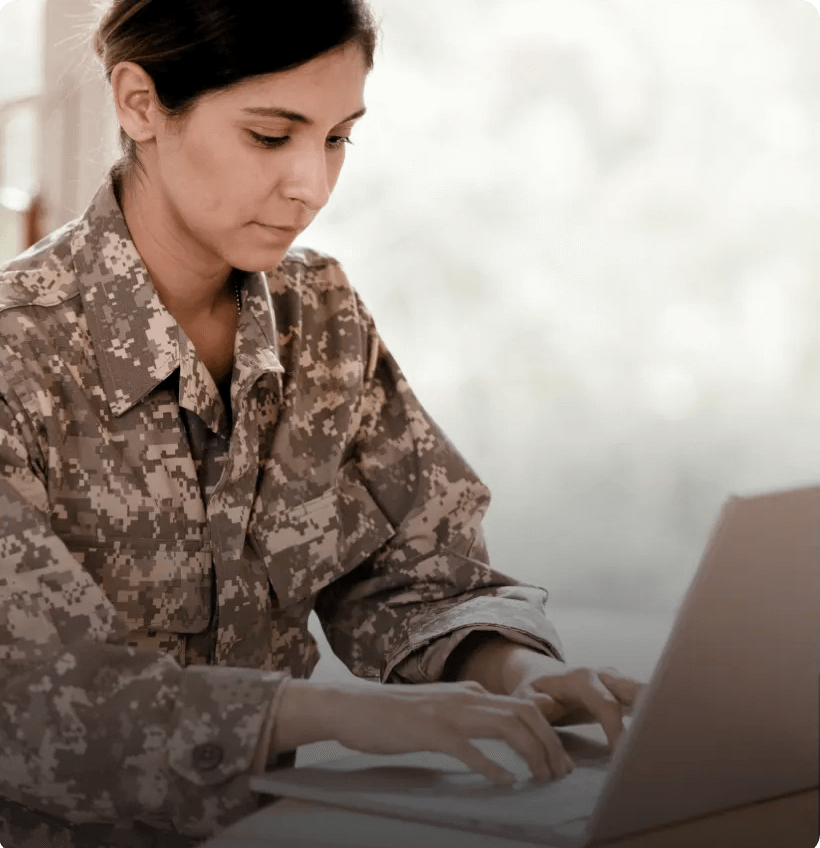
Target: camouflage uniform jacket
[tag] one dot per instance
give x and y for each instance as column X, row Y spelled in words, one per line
column 162, row 550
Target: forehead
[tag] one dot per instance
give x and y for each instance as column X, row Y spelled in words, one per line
column 330, row 83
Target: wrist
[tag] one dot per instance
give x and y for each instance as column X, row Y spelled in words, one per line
column 483, row 657
column 310, row 711
column 299, row 719
column 499, row 665
column 524, row 663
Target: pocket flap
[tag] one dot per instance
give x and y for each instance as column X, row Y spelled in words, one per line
column 306, row 547
column 299, row 547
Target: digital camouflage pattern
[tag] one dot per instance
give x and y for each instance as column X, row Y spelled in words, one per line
column 161, row 552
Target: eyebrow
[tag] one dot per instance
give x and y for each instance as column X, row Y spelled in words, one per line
column 274, row 112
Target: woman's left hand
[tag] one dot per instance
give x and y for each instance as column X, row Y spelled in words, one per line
column 564, row 694
column 567, row 695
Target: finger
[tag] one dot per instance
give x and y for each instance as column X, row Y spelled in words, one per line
column 562, row 707
column 601, row 703
column 615, row 677
column 557, row 758
column 498, row 717
column 547, row 705
column 518, row 734
column 476, row 760
column 610, row 670
column 625, row 689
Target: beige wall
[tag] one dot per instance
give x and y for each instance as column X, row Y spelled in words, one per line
column 78, row 126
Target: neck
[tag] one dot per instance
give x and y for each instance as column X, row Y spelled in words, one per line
column 189, row 280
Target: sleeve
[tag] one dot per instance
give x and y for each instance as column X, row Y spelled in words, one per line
column 92, row 730
column 401, row 613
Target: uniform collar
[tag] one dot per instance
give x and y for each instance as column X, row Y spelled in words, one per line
column 137, row 341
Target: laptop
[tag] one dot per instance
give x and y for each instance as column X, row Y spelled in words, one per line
column 729, row 717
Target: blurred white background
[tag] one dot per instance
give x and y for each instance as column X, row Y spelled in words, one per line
column 587, row 230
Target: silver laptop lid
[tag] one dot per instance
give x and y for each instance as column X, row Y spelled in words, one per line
column 731, row 713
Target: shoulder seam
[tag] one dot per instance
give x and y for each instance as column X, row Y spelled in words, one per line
column 53, row 300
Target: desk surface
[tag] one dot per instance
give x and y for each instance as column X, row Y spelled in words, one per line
column 787, row 822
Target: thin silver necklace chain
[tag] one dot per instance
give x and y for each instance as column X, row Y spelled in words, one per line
column 238, row 296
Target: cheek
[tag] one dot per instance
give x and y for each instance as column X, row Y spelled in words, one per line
column 211, row 177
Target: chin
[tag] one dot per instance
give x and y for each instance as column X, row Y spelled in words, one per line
column 258, row 260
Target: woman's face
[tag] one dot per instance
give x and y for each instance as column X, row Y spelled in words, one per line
column 249, row 167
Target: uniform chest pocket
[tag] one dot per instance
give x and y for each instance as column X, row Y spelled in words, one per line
column 163, row 586
column 306, row 547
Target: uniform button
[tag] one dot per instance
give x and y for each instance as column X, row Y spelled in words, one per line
column 207, row 756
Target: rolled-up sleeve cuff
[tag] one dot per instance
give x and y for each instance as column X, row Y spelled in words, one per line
column 224, row 713
column 516, row 613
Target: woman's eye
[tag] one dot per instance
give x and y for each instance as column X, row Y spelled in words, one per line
column 268, row 140
column 334, row 142
column 337, row 141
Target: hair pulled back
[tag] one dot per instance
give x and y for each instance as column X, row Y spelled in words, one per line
column 192, row 47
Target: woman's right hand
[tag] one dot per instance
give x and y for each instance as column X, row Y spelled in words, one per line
column 398, row 719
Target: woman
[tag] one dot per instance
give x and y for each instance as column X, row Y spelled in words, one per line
column 204, row 438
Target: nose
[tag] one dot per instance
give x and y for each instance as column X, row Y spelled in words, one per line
column 307, row 178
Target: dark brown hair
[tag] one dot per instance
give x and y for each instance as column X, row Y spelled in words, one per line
column 192, row 47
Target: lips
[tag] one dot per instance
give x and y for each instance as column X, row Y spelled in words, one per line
column 288, row 229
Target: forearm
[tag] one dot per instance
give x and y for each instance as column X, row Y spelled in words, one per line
column 299, row 719
column 309, row 711
column 492, row 660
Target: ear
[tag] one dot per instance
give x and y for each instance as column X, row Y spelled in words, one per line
column 135, row 101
